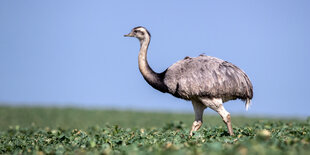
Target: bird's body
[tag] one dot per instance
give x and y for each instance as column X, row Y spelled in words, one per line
column 206, row 76
column 206, row 81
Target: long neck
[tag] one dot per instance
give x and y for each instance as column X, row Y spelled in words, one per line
column 152, row 78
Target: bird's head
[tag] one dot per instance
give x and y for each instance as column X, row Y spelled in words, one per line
column 139, row 32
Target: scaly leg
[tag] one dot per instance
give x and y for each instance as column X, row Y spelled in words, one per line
column 198, row 108
column 217, row 105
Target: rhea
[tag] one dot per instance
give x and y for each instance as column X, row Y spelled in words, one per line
column 206, row 81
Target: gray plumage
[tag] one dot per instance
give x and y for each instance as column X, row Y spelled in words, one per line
column 206, row 81
column 207, row 76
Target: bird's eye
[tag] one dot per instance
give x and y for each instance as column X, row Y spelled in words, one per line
column 135, row 31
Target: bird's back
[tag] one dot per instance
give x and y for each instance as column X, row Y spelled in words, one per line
column 207, row 76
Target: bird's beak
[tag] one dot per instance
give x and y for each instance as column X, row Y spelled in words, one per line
column 128, row 35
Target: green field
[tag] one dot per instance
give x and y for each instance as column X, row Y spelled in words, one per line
column 77, row 131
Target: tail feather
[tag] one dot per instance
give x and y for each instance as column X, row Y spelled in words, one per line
column 247, row 104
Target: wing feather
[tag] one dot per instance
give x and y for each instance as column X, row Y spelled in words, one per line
column 207, row 76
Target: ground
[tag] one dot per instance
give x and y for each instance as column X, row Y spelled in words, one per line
column 78, row 131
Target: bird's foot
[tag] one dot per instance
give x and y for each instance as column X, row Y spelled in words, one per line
column 196, row 125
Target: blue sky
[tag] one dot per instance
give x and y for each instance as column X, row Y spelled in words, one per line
column 73, row 53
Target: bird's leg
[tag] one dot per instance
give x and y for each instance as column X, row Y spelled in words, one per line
column 217, row 105
column 198, row 108
column 226, row 118
column 228, row 123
